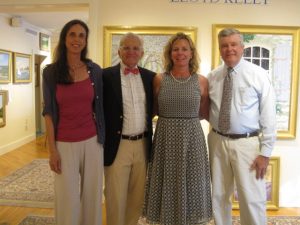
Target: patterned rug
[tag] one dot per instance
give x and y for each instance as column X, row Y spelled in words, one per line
column 29, row 186
column 37, row 220
column 274, row 220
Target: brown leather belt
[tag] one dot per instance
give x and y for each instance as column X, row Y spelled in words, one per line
column 237, row 136
column 135, row 137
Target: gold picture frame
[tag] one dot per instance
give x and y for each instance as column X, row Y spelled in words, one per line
column 276, row 48
column 44, row 42
column 22, row 68
column 3, row 103
column 5, row 66
column 155, row 38
column 272, row 186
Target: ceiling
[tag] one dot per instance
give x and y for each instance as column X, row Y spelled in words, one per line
column 49, row 17
column 52, row 21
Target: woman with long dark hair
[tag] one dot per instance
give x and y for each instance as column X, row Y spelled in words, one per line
column 73, row 111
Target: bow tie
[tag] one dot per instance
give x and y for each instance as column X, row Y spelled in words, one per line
column 134, row 71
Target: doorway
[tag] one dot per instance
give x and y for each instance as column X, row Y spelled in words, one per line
column 39, row 122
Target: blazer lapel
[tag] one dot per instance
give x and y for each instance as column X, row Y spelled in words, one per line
column 116, row 80
column 145, row 82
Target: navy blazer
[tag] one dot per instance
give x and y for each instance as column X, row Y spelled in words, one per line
column 113, row 110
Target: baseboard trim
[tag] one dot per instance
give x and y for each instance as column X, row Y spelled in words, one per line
column 13, row 145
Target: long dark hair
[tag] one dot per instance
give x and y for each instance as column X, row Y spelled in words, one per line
column 60, row 55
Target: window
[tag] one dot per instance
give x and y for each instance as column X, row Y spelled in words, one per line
column 258, row 55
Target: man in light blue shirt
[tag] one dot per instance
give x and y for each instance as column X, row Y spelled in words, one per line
column 242, row 152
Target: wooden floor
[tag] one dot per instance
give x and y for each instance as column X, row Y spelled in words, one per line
column 36, row 149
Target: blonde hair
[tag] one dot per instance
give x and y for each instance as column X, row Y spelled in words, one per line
column 194, row 61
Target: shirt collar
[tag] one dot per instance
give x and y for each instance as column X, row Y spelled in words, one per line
column 240, row 63
column 123, row 66
column 235, row 68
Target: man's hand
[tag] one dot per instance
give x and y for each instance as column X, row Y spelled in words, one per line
column 260, row 164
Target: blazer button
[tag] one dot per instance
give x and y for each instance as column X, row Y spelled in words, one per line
column 119, row 132
column 121, row 117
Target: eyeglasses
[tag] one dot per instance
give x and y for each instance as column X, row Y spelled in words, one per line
column 127, row 48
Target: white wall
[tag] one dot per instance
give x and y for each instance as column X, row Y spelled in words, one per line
column 20, row 110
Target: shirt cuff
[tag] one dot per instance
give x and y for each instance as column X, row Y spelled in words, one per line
column 266, row 152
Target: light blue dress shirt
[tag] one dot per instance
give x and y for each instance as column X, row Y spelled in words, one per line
column 253, row 102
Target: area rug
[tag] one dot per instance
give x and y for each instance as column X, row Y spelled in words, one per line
column 274, row 220
column 38, row 220
column 29, row 186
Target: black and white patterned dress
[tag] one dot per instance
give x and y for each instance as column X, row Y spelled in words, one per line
column 178, row 182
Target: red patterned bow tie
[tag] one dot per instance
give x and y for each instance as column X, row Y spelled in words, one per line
column 134, row 71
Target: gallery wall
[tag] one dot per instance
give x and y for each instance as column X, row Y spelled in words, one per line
column 20, row 110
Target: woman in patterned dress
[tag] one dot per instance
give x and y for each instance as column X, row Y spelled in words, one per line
column 178, row 183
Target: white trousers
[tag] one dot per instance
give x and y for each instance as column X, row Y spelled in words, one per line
column 78, row 189
column 125, row 183
column 231, row 160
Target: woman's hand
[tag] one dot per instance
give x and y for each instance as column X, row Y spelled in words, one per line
column 55, row 161
column 54, row 157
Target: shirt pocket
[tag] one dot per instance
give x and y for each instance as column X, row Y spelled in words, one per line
column 247, row 97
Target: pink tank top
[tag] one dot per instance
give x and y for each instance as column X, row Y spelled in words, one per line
column 75, row 103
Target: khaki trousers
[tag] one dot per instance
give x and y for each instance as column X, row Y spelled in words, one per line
column 231, row 160
column 125, row 183
column 78, row 189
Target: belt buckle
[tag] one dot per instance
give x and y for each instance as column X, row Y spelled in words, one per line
column 132, row 137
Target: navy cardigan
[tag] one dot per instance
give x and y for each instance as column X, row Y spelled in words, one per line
column 50, row 103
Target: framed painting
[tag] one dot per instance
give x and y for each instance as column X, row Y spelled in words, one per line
column 5, row 66
column 272, row 186
column 22, row 68
column 3, row 102
column 44, row 42
column 276, row 49
column 155, row 38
